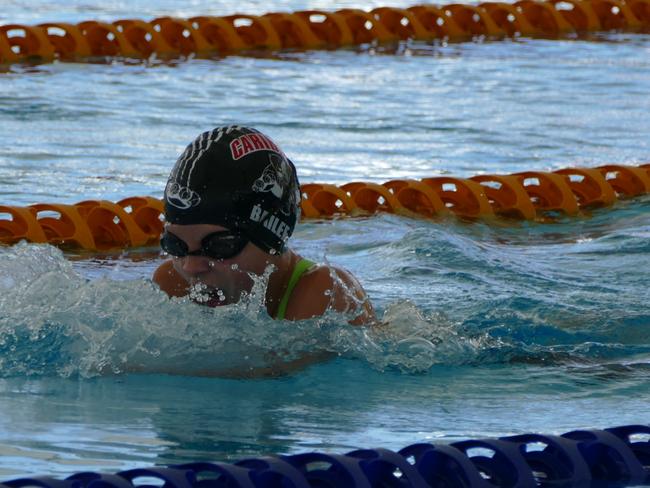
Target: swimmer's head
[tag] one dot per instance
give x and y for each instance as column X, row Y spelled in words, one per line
column 238, row 178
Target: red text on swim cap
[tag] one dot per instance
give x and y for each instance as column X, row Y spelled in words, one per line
column 249, row 143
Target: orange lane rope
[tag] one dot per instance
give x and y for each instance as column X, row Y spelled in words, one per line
column 531, row 195
column 208, row 36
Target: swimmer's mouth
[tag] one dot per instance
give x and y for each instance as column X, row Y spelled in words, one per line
column 215, row 300
column 212, row 297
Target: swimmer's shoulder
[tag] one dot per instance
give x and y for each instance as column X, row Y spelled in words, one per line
column 322, row 288
column 169, row 281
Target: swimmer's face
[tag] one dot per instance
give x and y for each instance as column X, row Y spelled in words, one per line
column 225, row 279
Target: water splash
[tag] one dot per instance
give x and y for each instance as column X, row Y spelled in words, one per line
column 409, row 341
column 56, row 322
column 503, row 302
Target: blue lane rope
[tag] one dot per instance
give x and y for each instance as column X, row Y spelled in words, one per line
column 618, row 456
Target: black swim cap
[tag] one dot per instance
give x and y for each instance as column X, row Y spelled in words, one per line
column 238, row 178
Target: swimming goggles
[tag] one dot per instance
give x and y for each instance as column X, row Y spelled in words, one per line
column 222, row 244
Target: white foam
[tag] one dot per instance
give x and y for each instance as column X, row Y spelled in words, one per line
column 56, row 322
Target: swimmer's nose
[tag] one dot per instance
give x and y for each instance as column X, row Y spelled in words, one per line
column 195, row 265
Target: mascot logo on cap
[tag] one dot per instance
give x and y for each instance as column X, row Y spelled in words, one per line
column 275, row 177
column 181, row 196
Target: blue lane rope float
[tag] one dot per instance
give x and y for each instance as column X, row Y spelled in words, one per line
column 617, row 456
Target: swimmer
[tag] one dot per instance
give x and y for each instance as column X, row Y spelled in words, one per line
column 231, row 203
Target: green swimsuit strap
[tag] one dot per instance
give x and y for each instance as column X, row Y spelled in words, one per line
column 301, row 268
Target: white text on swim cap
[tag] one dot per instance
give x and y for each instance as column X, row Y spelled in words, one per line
column 271, row 222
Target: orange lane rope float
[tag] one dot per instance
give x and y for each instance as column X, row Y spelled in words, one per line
column 530, row 195
column 208, row 36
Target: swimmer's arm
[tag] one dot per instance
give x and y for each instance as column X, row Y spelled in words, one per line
column 318, row 291
column 169, row 281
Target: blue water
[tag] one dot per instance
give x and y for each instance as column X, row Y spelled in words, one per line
column 488, row 329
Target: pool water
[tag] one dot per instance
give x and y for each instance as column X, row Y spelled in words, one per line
column 488, row 329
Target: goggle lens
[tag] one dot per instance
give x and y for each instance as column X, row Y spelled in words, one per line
column 222, row 244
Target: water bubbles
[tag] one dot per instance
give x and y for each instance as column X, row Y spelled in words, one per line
column 199, row 293
column 56, row 322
